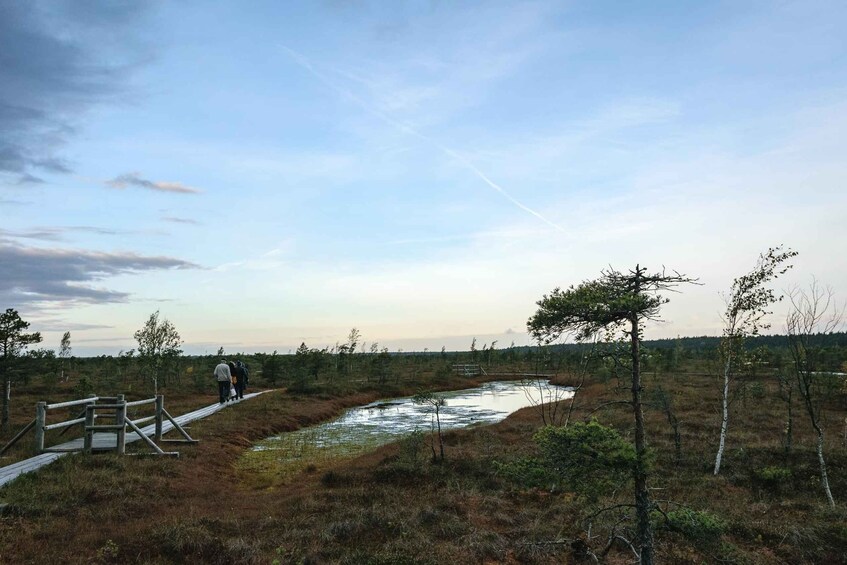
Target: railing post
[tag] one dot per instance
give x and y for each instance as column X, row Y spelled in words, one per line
column 88, row 439
column 160, row 408
column 40, row 421
column 120, row 420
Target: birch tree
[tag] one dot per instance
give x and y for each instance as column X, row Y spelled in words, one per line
column 746, row 308
column 615, row 302
column 159, row 345
column 65, row 352
column 813, row 311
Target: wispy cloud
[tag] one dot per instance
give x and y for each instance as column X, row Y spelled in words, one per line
column 28, row 179
column 175, row 220
column 504, row 234
column 408, row 129
column 65, row 275
column 58, row 325
column 58, row 233
column 267, row 261
column 136, row 180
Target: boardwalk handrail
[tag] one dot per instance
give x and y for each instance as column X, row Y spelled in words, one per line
column 141, row 402
column 88, row 417
column 67, row 424
column 468, row 369
column 72, row 403
column 123, row 421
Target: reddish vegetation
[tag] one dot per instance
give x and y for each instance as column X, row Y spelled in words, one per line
column 200, row 508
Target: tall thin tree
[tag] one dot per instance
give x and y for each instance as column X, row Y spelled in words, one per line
column 616, row 301
column 159, row 345
column 813, row 312
column 746, row 308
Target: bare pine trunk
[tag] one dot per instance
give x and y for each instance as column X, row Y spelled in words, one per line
column 725, row 419
column 642, row 495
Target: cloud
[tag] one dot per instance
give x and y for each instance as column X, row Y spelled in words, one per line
column 57, row 325
column 176, row 220
column 27, row 178
column 60, row 59
column 65, row 275
column 135, row 179
column 57, row 233
column 404, row 127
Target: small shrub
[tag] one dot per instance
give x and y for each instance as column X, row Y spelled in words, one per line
column 590, row 459
column 332, row 479
column 108, row 553
column 527, row 472
column 83, row 387
column 442, row 373
column 756, row 390
column 190, row 539
column 697, row 525
column 412, row 451
column 771, row 478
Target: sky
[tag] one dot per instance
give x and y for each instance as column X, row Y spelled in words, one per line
column 270, row 173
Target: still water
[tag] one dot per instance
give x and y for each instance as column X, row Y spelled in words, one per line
column 366, row 427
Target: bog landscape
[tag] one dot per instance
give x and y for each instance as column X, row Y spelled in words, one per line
column 423, row 282
column 698, row 449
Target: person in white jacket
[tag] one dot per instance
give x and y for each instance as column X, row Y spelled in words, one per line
column 224, row 378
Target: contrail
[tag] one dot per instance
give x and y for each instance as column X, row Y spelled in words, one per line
column 405, row 128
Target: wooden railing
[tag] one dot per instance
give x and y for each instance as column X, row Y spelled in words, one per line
column 468, row 369
column 116, row 411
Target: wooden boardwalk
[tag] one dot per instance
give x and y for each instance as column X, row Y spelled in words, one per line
column 107, row 441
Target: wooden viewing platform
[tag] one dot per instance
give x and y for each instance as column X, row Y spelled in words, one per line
column 105, row 441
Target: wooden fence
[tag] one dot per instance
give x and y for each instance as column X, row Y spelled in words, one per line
column 468, row 369
column 106, row 436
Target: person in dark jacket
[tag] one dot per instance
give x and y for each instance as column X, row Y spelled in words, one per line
column 241, row 379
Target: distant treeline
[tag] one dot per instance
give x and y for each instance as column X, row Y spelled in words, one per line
column 705, row 344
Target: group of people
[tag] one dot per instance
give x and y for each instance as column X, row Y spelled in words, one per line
column 232, row 379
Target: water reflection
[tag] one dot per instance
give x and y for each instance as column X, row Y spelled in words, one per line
column 364, row 428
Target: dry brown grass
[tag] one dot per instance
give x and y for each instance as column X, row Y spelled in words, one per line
column 373, row 510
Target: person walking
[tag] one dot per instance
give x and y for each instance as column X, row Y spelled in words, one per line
column 241, row 379
column 233, row 390
column 224, row 378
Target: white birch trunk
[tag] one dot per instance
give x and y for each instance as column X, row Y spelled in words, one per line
column 725, row 420
column 824, row 478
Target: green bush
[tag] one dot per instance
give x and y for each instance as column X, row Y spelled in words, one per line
column 697, row 525
column 771, row 478
column 590, row 459
column 756, row 390
column 83, row 387
column 413, row 453
column 528, row 472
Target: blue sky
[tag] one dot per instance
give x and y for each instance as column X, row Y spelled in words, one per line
column 270, row 173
